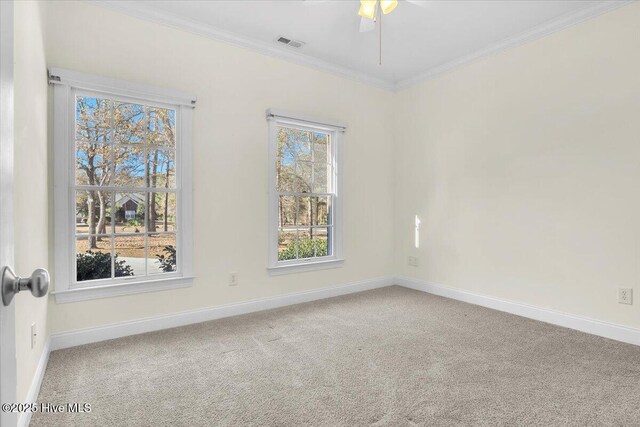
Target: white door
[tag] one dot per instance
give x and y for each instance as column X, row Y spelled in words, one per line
column 7, row 314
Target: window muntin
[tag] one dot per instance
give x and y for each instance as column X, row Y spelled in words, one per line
column 305, row 191
column 125, row 189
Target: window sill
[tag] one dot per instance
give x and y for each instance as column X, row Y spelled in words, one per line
column 305, row 266
column 107, row 291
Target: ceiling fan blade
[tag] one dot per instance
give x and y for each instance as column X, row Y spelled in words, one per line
column 420, row 3
column 367, row 25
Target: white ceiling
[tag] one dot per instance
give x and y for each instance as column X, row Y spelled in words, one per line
column 417, row 41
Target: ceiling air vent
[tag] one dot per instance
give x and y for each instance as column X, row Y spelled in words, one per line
column 291, row 43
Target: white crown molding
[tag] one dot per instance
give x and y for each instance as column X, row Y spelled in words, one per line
column 549, row 27
column 591, row 326
column 147, row 12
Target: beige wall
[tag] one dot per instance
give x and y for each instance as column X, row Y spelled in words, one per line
column 525, row 169
column 31, row 173
column 234, row 87
column 523, row 166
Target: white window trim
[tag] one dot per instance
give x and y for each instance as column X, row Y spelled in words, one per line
column 65, row 83
column 337, row 129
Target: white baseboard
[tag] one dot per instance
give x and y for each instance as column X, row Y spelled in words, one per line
column 116, row 330
column 121, row 329
column 34, row 390
column 584, row 324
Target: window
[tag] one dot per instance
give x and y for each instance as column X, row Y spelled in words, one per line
column 305, row 198
column 122, row 187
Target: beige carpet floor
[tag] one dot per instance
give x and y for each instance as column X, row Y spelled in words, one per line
column 387, row 357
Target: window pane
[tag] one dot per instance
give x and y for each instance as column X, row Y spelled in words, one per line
column 129, row 123
column 93, row 119
column 93, row 163
column 305, row 245
column 129, row 213
column 320, row 210
column 93, row 212
column 304, row 211
column 162, row 127
column 320, row 241
column 286, row 145
column 93, row 258
column 129, row 256
column 320, row 147
column 303, row 175
column 162, row 169
column 285, row 175
column 287, row 245
column 287, row 210
column 162, row 212
column 321, row 177
column 162, row 253
column 302, row 145
column 313, row 210
column 129, row 162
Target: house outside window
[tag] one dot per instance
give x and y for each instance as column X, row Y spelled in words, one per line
column 129, row 206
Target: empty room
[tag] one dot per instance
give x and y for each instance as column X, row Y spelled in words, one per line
column 319, row 213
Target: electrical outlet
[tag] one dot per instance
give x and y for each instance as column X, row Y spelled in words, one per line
column 34, row 333
column 233, row 279
column 625, row 296
column 413, row 261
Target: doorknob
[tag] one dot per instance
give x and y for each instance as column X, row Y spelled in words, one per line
column 38, row 283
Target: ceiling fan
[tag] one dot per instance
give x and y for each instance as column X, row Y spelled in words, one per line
column 370, row 11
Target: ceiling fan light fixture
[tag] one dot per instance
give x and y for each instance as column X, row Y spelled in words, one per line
column 387, row 6
column 368, row 9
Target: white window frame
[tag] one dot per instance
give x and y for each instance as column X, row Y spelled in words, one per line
column 66, row 85
column 336, row 131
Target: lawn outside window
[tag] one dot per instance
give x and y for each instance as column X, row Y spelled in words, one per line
column 305, row 197
column 122, row 187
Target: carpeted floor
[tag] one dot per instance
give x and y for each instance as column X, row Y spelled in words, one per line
column 387, row 357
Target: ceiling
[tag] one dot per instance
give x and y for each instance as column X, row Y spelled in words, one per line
column 417, row 40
